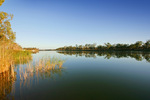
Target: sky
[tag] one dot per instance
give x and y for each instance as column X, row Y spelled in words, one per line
column 49, row 24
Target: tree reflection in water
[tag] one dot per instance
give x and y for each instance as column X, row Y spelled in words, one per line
column 139, row 56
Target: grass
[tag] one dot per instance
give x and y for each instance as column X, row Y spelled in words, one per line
column 21, row 57
column 45, row 67
column 9, row 57
column 29, row 71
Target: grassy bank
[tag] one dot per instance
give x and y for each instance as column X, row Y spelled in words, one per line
column 9, row 57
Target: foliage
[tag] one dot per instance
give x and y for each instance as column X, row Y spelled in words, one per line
column 10, row 52
column 138, row 46
column 6, row 33
column 33, row 50
column 1, row 2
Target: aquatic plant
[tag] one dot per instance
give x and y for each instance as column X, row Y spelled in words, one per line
column 41, row 68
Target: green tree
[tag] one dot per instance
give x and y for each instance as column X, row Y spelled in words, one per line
column 147, row 44
column 138, row 44
column 108, row 45
column 99, row 47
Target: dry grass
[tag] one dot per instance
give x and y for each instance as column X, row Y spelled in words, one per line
column 29, row 73
column 42, row 68
column 9, row 57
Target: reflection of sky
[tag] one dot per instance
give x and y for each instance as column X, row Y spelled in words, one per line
column 127, row 67
column 124, row 69
column 125, row 74
column 55, row 23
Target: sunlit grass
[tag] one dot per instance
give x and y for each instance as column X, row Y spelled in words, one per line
column 45, row 67
column 9, row 57
column 41, row 66
column 29, row 72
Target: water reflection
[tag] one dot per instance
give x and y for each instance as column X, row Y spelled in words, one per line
column 40, row 78
column 139, row 56
column 40, row 69
column 28, row 74
column 7, row 80
column 8, row 73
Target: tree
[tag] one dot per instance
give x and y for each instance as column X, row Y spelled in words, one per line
column 108, row 45
column 7, row 36
column 6, row 32
column 147, row 44
column 99, row 47
column 86, row 46
column 92, row 46
column 138, row 44
column 1, row 2
column 80, row 47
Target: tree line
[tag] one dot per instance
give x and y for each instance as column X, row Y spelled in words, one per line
column 138, row 46
column 33, row 50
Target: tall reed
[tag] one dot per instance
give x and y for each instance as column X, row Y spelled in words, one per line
column 42, row 68
column 9, row 56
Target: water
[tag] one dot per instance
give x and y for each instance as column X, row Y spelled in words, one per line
column 84, row 76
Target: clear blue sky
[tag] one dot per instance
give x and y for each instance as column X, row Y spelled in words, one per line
column 56, row 23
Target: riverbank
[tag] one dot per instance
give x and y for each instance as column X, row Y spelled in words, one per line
column 12, row 57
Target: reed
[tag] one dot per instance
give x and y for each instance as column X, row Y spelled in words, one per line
column 23, row 56
column 9, row 57
column 5, row 57
column 42, row 68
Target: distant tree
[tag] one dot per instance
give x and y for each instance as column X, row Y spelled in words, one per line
column 80, row 47
column 138, row 44
column 99, row 47
column 108, row 45
column 92, row 46
column 147, row 44
column 86, row 46
column 77, row 46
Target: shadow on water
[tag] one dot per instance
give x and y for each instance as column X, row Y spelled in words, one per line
column 139, row 56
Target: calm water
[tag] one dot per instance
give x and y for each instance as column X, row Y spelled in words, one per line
column 83, row 75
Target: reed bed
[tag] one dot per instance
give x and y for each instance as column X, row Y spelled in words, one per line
column 5, row 57
column 9, row 57
column 45, row 67
column 29, row 73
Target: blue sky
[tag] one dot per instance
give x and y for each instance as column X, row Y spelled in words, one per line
column 56, row 23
